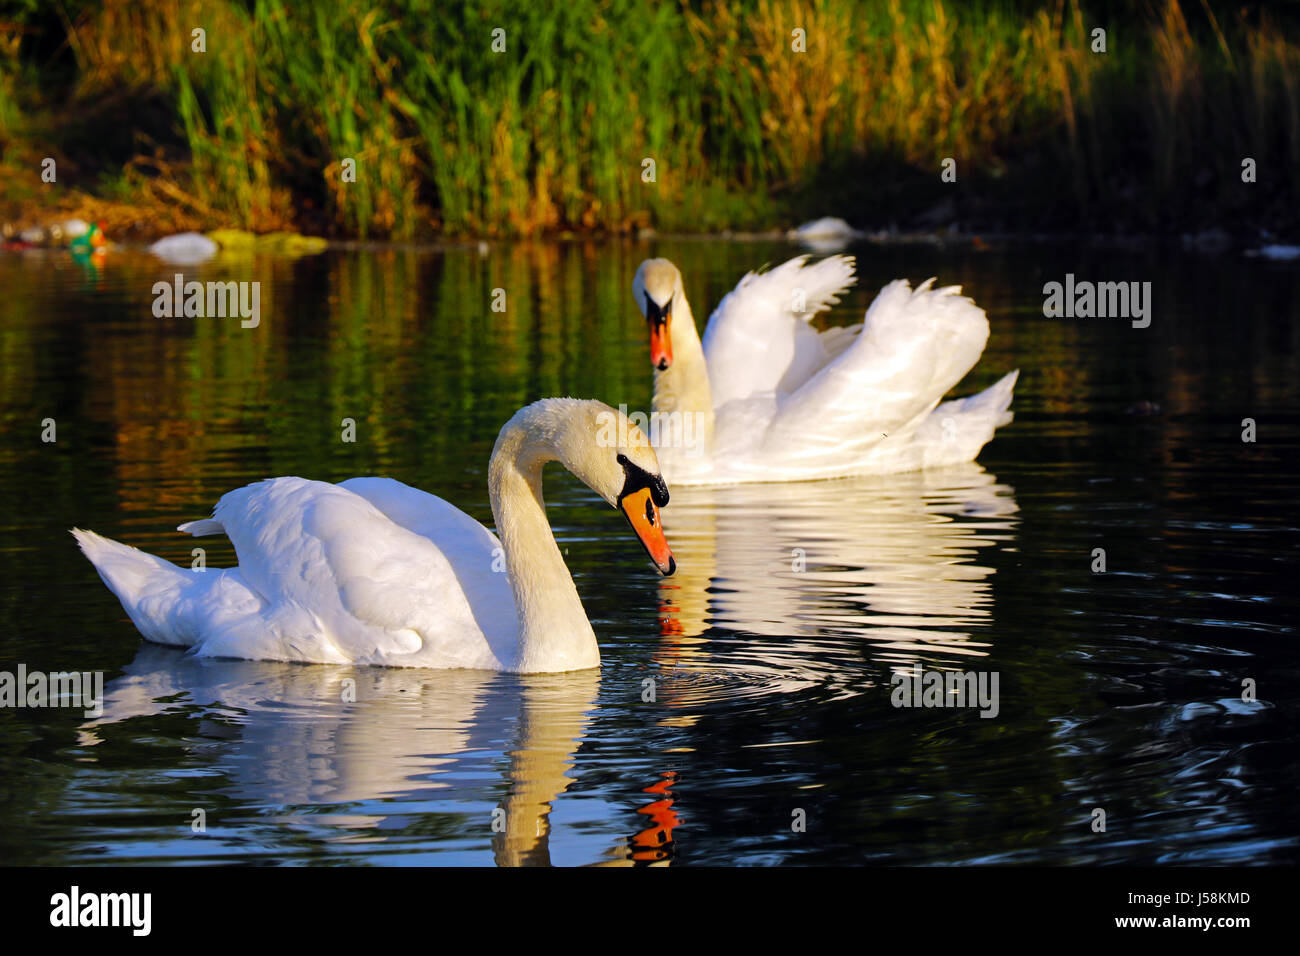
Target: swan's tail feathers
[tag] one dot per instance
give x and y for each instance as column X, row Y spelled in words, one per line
column 202, row 526
column 956, row 431
column 914, row 345
column 153, row 592
column 999, row 397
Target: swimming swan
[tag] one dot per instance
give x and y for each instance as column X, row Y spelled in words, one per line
column 767, row 397
column 372, row 571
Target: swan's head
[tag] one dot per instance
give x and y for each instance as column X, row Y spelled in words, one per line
column 656, row 286
column 606, row 450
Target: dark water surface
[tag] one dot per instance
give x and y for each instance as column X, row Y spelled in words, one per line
column 1119, row 690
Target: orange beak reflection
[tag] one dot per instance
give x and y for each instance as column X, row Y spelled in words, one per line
column 643, row 514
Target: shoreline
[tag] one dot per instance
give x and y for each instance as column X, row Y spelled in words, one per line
column 999, row 117
column 1210, row 242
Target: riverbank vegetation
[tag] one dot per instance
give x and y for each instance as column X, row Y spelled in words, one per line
column 756, row 114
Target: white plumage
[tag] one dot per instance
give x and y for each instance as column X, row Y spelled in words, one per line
column 372, row 571
column 780, row 400
column 327, row 574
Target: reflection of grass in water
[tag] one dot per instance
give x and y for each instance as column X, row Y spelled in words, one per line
column 552, row 132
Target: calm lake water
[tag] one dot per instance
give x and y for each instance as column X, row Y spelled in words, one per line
column 771, row 737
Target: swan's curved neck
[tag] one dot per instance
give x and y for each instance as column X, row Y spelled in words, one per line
column 554, row 633
column 684, row 385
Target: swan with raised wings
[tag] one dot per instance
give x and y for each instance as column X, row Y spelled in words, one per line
column 372, row 571
column 768, row 397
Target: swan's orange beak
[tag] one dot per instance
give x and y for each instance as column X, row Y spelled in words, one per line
column 643, row 514
column 661, row 342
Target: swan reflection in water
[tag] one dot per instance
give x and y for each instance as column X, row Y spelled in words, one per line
column 802, row 581
column 302, row 736
column 778, row 587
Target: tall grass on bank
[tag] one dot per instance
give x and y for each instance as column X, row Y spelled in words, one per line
column 553, row 132
column 915, row 81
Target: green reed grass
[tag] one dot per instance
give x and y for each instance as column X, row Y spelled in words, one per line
column 551, row 134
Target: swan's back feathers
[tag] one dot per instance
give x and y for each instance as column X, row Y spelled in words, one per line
column 473, row 553
column 793, row 404
column 378, row 592
column 914, row 346
column 759, row 339
column 326, row 573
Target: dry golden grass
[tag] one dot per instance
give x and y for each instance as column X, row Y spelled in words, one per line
column 552, row 136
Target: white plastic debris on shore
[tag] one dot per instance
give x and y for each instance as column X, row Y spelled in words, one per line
column 73, row 228
column 184, row 248
column 827, row 234
column 827, row 227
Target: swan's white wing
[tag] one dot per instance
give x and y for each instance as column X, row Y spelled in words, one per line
column 345, row 582
column 473, row 551
column 758, row 338
column 914, row 346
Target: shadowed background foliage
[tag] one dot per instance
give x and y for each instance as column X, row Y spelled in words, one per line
column 551, row 134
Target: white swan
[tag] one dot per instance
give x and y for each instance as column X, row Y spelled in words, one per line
column 371, row 571
column 767, row 397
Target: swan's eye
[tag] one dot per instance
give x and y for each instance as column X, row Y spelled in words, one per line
column 656, row 313
column 636, row 478
column 650, row 511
